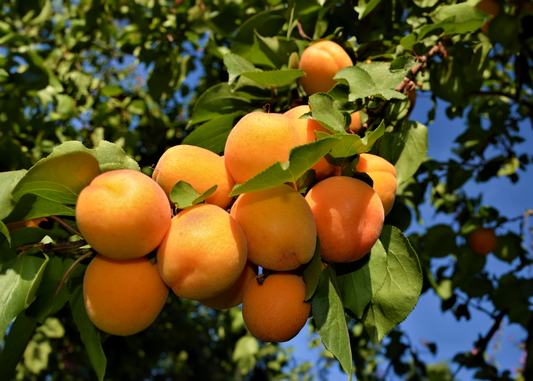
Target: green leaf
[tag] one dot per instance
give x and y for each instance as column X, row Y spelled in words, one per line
column 439, row 241
column 402, row 287
column 301, row 158
column 19, row 280
column 509, row 247
column 365, row 7
column 350, row 145
column 461, row 13
column 360, row 281
column 274, row 78
column 32, row 206
column 325, row 112
column 426, row 3
column 212, row 135
column 216, row 101
column 236, row 66
column 328, row 312
column 185, row 196
column 405, row 149
column 112, row 157
column 244, row 353
column 312, row 273
column 5, row 232
column 111, row 90
column 8, row 181
column 27, row 236
column 510, row 167
column 90, row 336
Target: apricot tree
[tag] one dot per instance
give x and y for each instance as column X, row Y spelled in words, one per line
column 296, row 95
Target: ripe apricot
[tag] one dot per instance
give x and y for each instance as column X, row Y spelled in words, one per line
column 199, row 167
column 31, row 223
column 349, row 218
column 279, row 227
column 273, row 307
column 383, row 175
column 320, row 62
column 123, row 297
column 355, row 124
column 203, row 253
column 232, row 297
column 492, row 8
column 483, row 240
column 306, row 130
column 256, row 142
column 123, row 214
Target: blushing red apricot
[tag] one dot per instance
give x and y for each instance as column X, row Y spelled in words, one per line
column 203, row 253
column 349, row 218
column 483, row 240
column 320, row 62
column 123, row 297
column 123, row 214
column 199, row 167
column 256, row 142
column 232, row 297
column 275, row 309
column 279, row 227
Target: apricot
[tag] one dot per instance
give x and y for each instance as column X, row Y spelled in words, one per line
column 203, row 253
column 306, row 131
column 483, row 240
column 31, row 223
column 199, row 167
column 232, row 297
column 383, row 174
column 349, row 218
column 123, row 297
column 279, row 227
column 412, row 102
column 355, row 124
column 320, row 62
column 273, row 307
column 123, row 214
column 492, row 8
column 256, row 142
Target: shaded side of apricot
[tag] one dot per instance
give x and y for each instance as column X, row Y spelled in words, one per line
column 199, row 167
column 279, row 227
column 123, row 297
column 203, row 253
column 256, row 142
column 232, row 297
column 32, row 223
column 349, row 218
column 275, row 310
column 383, row 175
column 123, row 214
column 492, row 8
column 483, row 240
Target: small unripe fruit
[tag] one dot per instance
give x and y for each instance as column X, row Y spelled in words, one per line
column 483, row 240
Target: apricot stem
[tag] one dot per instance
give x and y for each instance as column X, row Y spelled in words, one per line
column 89, row 253
column 67, row 226
column 54, row 247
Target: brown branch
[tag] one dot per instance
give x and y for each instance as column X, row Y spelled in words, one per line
column 302, row 33
column 67, row 226
column 89, row 253
column 481, row 344
column 54, row 247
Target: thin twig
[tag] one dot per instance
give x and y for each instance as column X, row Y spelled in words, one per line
column 89, row 253
column 54, row 247
column 67, row 226
column 481, row 344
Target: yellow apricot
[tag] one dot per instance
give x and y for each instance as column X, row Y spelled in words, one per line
column 273, row 307
column 492, row 8
column 320, row 62
column 256, row 142
column 349, row 218
column 199, row 167
column 203, row 253
column 123, row 214
column 31, row 223
column 355, row 124
column 483, row 240
column 123, row 297
column 232, row 297
column 383, row 174
column 279, row 227
column 306, row 130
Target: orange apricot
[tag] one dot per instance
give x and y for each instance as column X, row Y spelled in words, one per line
column 483, row 240
column 273, row 307
column 256, row 142
column 306, row 130
column 383, row 174
column 31, row 223
column 199, row 167
column 320, row 62
column 203, row 253
column 492, row 8
column 123, row 297
column 123, row 214
column 232, row 297
column 349, row 218
column 279, row 227
column 355, row 124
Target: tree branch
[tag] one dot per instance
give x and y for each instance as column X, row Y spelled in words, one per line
column 67, row 226
column 54, row 247
column 481, row 344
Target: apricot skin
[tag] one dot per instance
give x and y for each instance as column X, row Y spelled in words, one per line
column 320, row 62
column 383, row 175
column 123, row 214
column 203, row 253
column 232, row 297
column 275, row 310
column 349, row 218
column 483, row 241
column 355, row 124
column 306, row 130
column 123, row 297
column 279, row 227
column 32, row 223
column 199, row 167
column 256, row 142
column 492, row 8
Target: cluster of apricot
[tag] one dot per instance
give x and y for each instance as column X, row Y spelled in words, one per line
column 211, row 252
